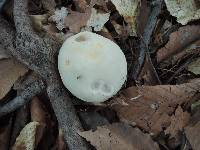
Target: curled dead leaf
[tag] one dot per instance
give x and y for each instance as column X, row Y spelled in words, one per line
column 178, row 41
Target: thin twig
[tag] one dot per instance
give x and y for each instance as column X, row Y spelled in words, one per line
column 144, row 44
column 30, row 91
column 181, row 68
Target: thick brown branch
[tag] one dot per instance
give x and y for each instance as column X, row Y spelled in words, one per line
column 39, row 55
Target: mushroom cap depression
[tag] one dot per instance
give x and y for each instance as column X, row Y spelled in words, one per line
column 92, row 68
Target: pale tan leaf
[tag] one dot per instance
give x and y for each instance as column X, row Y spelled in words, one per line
column 27, row 137
column 97, row 20
column 59, row 17
column 119, row 136
column 38, row 21
column 81, row 5
column 184, row 10
column 128, row 9
column 10, row 71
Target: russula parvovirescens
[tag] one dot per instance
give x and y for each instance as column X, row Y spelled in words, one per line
column 92, row 68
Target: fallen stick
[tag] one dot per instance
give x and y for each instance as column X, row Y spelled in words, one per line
column 146, row 37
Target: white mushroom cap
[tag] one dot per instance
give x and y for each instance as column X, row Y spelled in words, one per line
column 92, row 68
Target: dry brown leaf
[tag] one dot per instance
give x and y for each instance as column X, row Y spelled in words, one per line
column 60, row 141
column 105, row 33
column 151, row 107
column 75, row 20
column 3, row 53
column 81, row 5
column 192, row 134
column 178, row 41
column 119, row 136
column 38, row 113
column 27, row 137
column 178, row 122
column 194, row 66
column 10, row 71
column 52, row 31
column 121, row 30
column 38, row 21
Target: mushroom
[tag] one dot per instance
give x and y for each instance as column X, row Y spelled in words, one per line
column 92, row 67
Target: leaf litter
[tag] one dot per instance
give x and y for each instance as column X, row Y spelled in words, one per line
column 152, row 107
column 144, row 109
column 119, row 136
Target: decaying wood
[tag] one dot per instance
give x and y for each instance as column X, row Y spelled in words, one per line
column 39, row 54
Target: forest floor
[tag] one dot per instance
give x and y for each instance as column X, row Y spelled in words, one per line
column 158, row 107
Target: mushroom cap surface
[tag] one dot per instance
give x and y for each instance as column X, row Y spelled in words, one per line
column 92, row 67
